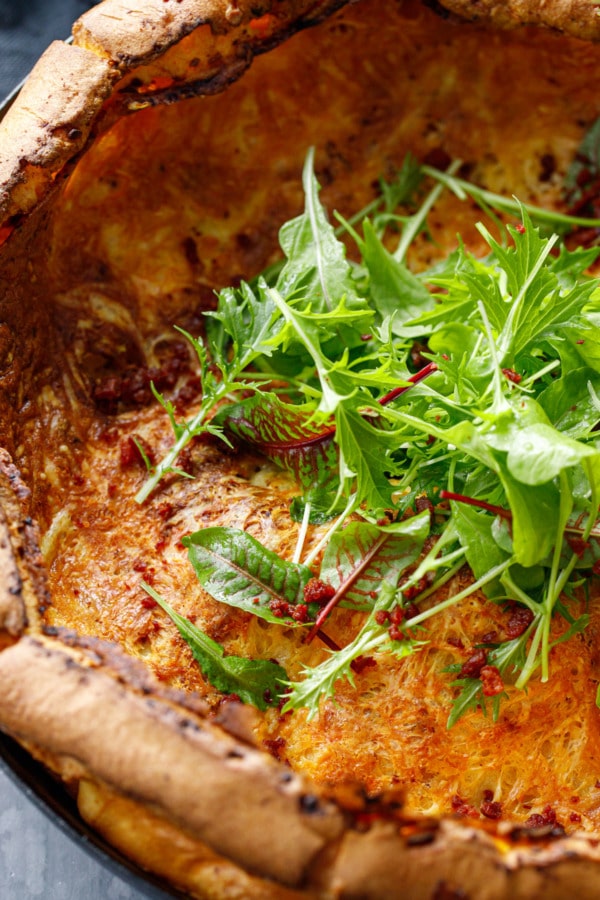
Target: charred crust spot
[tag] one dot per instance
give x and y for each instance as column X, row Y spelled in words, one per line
column 310, row 804
column 436, row 7
column 420, row 839
column 445, row 891
column 235, row 754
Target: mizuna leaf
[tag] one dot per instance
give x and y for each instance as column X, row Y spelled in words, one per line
column 316, row 260
column 395, row 291
column 364, row 457
column 235, row 568
column 289, row 435
column 259, row 682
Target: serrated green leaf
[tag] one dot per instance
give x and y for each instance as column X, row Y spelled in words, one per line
column 395, row 291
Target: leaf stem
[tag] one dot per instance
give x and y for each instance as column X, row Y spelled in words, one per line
column 493, row 573
column 414, row 223
column 463, row 189
column 302, row 532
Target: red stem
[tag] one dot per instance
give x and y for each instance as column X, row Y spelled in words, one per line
column 414, row 379
column 387, row 398
column 329, row 432
column 481, row 504
column 329, row 642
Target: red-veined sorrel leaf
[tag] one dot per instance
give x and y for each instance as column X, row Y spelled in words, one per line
column 287, row 434
column 361, row 556
column 235, row 568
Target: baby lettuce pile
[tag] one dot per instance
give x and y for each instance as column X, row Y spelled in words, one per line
column 460, row 403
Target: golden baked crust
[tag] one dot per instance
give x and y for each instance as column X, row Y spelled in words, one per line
column 576, row 17
column 161, row 196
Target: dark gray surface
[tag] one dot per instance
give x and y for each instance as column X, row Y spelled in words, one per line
column 38, row 859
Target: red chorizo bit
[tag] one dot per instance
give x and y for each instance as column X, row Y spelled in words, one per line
column 108, row 390
column 147, row 602
column 520, row 620
column 472, row 667
column 575, row 818
column 395, row 633
column 317, row 591
column 112, row 490
column 279, row 608
column 160, row 545
column 418, row 588
column 456, row 642
column 382, row 616
column 462, row 808
column 577, row 545
column 491, row 680
column 361, row 663
column 396, row 615
column 512, row 375
column 490, row 637
column 520, row 228
column 130, row 451
column 275, row 746
column 543, row 819
column 299, row 613
column 411, row 611
column 491, row 809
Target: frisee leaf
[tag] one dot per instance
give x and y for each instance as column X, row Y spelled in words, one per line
column 319, row 682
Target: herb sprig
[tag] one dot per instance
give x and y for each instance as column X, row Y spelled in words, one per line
column 510, row 340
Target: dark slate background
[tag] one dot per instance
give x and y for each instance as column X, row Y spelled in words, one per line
column 38, row 859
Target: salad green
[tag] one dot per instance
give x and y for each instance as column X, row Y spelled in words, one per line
column 488, row 445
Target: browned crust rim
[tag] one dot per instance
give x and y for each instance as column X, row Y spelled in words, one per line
column 222, row 790
column 245, row 806
column 61, row 102
column 579, row 18
column 23, row 588
column 53, row 117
